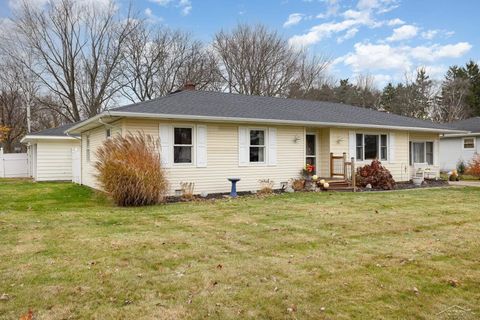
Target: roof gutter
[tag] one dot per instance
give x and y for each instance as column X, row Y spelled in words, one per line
column 29, row 138
column 458, row 135
column 249, row 120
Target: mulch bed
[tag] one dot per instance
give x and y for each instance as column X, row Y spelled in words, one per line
column 427, row 183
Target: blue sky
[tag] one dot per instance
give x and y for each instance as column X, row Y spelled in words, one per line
column 383, row 38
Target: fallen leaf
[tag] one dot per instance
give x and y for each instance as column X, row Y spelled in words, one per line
column 416, row 291
column 28, row 316
column 4, row 297
column 453, row 282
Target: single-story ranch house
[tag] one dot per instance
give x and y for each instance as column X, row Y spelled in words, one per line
column 207, row 137
column 455, row 148
column 50, row 154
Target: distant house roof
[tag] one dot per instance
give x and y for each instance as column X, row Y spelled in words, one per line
column 471, row 124
column 52, row 133
column 219, row 106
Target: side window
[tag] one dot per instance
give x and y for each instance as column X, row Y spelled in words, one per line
column 108, row 133
column 257, row 146
column 182, row 145
column 468, row 143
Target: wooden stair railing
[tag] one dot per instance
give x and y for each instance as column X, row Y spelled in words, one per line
column 340, row 167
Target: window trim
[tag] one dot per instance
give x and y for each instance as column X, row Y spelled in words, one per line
column 192, row 145
column 410, row 151
column 87, row 147
column 265, row 145
column 379, row 145
column 314, row 156
column 474, row 144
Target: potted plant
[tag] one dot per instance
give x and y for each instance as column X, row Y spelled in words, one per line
column 308, row 172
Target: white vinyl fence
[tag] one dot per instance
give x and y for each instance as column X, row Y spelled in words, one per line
column 76, row 166
column 13, row 165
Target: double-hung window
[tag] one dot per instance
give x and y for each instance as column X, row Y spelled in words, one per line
column 371, row 146
column 421, row 152
column 182, row 145
column 257, row 146
column 468, row 143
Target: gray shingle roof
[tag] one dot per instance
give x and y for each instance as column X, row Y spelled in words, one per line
column 219, row 104
column 471, row 124
column 54, row 132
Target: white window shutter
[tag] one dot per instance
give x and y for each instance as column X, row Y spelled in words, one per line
column 391, row 147
column 201, row 146
column 242, row 146
column 435, row 152
column 272, row 146
column 352, row 145
column 166, row 145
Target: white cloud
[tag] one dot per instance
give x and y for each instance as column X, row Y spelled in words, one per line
column 17, row 4
column 184, row 5
column 368, row 57
column 429, row 34
column 363, row 15
column 162, row 3
column 151, row 17
column 395, row 22
column 348, row 35
column 332, row 9
column 293, row 19
column 403, row 33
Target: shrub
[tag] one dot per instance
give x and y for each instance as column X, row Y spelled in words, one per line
column 473, row 167
column 187, row 190
column 129, row 170
column 266, row 186
column 298, row 184
column 461, row 167
column 376, row 175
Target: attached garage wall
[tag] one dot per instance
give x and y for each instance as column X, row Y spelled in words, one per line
column 54, row 160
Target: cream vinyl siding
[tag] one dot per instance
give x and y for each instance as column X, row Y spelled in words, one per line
column 54, row 160
column 222, row 144
column 223, row 160
column 398, row 166
column 97, row 136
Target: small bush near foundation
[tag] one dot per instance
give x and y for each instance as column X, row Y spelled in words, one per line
column 473, row 167
column 376, row 175
column 129, row 170
column 298, row 184
column 266, row 186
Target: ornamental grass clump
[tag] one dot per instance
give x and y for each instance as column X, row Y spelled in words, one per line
column 376, row 175
column 129, row 170
column 473, row 167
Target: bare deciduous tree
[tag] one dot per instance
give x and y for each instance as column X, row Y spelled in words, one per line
column 451, row 104
column 256, row 61
column 77, row 48
column 12, row 110
column 159, row 61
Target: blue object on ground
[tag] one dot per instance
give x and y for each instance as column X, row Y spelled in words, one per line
column 233, row 192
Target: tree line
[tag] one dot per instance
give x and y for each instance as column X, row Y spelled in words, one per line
column 70, row 60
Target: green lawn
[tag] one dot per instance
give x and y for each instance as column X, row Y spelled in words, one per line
column 67, row 253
